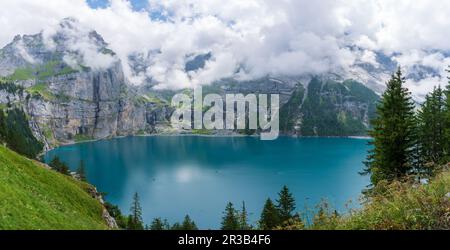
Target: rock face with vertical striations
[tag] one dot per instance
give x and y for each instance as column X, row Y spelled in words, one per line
column 68, row 100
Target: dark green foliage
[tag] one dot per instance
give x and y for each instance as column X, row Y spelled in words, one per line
column 325, row 108
column 431, row 130
column 234, row 219
column 243, row 219
column 186, row 225
column 286, row 204
column 16, row 133
column 230, row 219
column 115, row 212
column 447, row 123
column 81, row 171
column 130, row 223
column 417, row 162
column 294, row 223
column 159, row 224
column 135, row 218
column 10, row 87
column 290, row 113
column 59, row 166
column 176, row 226
column 393, row 134
column 269, row 217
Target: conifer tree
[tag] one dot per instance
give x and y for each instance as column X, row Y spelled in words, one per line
column 130, row 223
column 115, row 212
column 431, row 128
column 286, row 204
column 188, row 224
column 269, row 216
column 176, row 226
column 81, row 172
column 447, row 123
column 393, row 134
column 230, row 219
column 417, row 163
column 15, row 132
column 156, row 224
column 243, row 219
column 55, row 162
column 59, row 166
column 159, row 224
column 135, row 219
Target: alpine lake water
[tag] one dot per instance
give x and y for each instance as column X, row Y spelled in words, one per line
column 195, row 175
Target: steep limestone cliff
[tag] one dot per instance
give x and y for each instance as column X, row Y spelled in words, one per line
column 69, row 102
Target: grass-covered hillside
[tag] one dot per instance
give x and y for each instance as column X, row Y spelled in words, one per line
column 35, row 197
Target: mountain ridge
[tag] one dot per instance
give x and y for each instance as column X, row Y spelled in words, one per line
column 69, row 100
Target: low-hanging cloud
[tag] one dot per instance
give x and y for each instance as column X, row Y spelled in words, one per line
column 252, row 38
column 81, row 45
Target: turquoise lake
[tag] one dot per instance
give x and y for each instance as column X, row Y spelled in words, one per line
column 179, row 175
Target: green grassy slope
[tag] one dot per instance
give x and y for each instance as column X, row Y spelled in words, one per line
column 33, row 197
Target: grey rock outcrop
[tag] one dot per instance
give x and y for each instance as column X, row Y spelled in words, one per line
column 67, row 104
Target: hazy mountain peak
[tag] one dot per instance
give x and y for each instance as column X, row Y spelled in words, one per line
column 79, row 46
column 69, row 42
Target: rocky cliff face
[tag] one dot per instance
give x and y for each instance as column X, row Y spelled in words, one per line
column 314, row 106
column 87, row 105
column 81, row 105
column 67, row 103
column 73, row 88
column 327, row 107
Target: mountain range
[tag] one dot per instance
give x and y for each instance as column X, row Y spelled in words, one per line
column 72, row 88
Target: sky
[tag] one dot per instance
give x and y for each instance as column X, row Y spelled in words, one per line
column 251, row 38
column 137, row 5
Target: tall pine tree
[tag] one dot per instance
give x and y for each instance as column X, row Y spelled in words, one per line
column 393, row 134
column 447, row 123
column 81, row 172
column 243, row 219
column 431, row 128
column 230, row 220
column 159, row 224
column 270, row 218
column 135, row 219
column 59, row 166
column 286, row 204
column 188, row 224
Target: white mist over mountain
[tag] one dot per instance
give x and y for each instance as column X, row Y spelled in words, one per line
column 253, row 38
column 80, row 45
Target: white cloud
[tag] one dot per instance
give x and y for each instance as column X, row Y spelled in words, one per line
column 421, row 88
column 24, row 53
column 256, row 37
column 370, row 57
column 82, row 45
